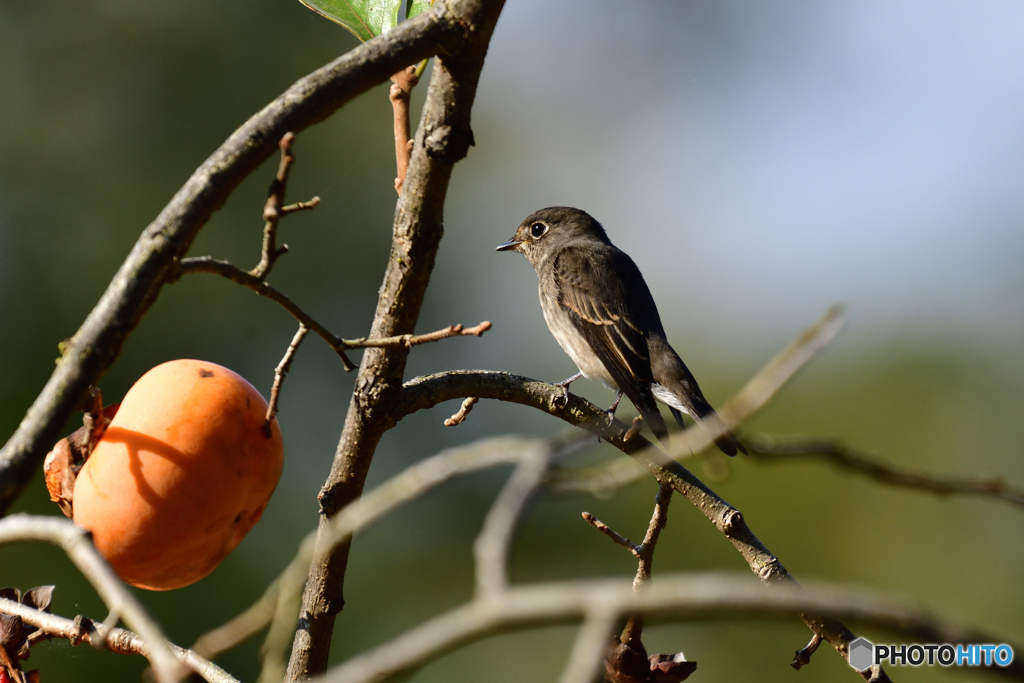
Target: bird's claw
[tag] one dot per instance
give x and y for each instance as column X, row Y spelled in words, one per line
column 563, row 400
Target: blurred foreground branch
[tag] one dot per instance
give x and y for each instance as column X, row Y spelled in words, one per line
column 770, row 449
column 673, row 596
column 280, row 603
column 425, row 392
column 122, row 604
column 116, row 640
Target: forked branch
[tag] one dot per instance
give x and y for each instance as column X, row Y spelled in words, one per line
column 122, row 604
column 116, row 640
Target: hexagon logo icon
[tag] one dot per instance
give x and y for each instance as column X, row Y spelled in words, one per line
column 862, row 653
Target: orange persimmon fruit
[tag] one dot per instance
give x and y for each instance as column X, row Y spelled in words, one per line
column 180, row 476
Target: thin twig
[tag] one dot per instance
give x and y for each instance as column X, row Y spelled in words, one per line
column 803, row 655
column 410, row 340
column 612, row 534
column 279, row 372
column 768, row 449
column 117, row 640
column 644, row 552
column 208, row 264
column 79, row 549
column 492, row 545
column 673, row 596
column 274, row 210
column 401, row 90
column 634, row 428
column 460, row 417
column 659, row 519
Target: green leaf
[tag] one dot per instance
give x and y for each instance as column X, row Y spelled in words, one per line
column 364, row 18
column 417, row 6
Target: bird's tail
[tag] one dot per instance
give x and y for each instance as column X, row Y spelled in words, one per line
column 675, row 386
column 727, row 443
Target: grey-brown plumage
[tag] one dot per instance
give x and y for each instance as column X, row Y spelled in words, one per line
column 601, row 312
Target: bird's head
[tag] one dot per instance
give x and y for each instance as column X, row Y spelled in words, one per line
column 549, row 230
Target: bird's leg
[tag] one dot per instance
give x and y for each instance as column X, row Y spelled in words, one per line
column 613, row 408
column 565, row 387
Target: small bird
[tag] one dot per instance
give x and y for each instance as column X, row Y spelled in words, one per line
column 602, row 314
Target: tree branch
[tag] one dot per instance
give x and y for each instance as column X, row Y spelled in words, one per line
column 208, row 264
column 274, row 210
column 491, row 548
column 279, row 373
column 79, row 549
column 116, row 640
column 673, row 596
column 442, row 139
column 768, row 449
column 226, row 269
column 446, row 27
column 412, row 482
column 401, row 90
column 425, row 392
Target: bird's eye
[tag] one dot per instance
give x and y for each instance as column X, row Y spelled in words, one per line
column 537, row 230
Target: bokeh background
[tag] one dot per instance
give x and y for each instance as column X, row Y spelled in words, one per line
column 759, row 161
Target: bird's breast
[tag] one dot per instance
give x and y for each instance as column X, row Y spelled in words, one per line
column 571, row 341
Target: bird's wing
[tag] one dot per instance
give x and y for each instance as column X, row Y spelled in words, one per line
column 595, row 300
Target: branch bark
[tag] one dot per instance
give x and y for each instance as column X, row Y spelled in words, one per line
column 75, row 542
column 425, row 392
column 442, row 139
column 116, row 640
column 445, row 27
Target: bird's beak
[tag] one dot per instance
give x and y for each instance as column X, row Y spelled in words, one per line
column 511, row 245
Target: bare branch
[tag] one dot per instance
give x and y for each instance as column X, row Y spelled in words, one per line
column 406, row 486
column 410, row 340
column 768, row 449
column 803, row 655
column 425, row 392
column 761, row 388
column 79, row 549
column 673, row 596
column 280, row 371
column 659, row 519
column 612, row 534
column 208, row 264
column 464, row 410
column 446, row 27
column 401, row 90
column 116, row 640
column 274, row 211
column 443, row 138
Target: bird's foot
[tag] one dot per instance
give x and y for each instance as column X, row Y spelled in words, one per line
column 564, row 384
column 612, row 409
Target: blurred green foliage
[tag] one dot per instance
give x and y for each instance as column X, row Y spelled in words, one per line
column 108, row 106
